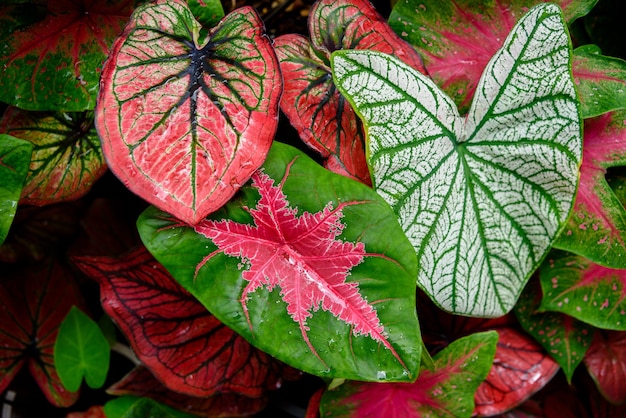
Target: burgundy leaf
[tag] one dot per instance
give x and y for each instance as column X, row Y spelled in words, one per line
column 184, row 346
column 184, row 123
column 67, row 158
column 302, row 256
column 323, row 117
column 33, row 302
column 606, row 363
column 140, row 382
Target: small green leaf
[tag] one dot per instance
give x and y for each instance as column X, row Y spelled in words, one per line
column 207, row 12
column 134, row 407
column 14, row 162
column 81, row 350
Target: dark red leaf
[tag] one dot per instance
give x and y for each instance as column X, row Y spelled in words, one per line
column 140, row 382
column 606, row 363
column 33, row 302
column 184, row 346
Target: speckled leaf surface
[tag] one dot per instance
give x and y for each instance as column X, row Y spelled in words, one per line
column 586, row 291
column 14, row 161
column 481, row 198
column 457, row 38
column 324, row 281
column 597, row 227
column 606, row 363
column 51, row 59
column 66, row 159
column 324, row 119
column 184, row 124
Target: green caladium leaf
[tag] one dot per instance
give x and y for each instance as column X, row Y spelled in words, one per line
column 591, row 293
column 208, row 13
column 309, row 266
column 81, row 350
column 14, row 161
column 136, row 407
column 481, row 198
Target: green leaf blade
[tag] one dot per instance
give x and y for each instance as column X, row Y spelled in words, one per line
column 481, row 199
column 14, row 161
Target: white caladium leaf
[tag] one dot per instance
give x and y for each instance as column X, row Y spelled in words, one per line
column 483, row 197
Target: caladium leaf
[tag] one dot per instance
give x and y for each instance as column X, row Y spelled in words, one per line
column 14, row 161
column 606, row 363
column 457, row 39
column 184, row 346
column 481, row 198
column 323, row 118
column 448, row 391
column 66, row 159
column 54, row 63
column 563, row 337
column 323, row 281
column 597, row 227
column 133, row 407
column 184, row 122
column 208, row 13
column 33, row 302
column 586, row 291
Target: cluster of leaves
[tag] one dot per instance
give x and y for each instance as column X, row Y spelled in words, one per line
column 254, row 263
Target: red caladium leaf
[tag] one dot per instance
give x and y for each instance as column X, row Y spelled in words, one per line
column 33, row 302
column 324, row 281
column 597, row 227
column 606, row 363
column 562, row 336
column 185, row 121
column 66, row 159
column 140, row 382
column 448, row 391
column 185, row 347
column 458, row 38
column 322, row 116
column 589, row 292
column 53, row 63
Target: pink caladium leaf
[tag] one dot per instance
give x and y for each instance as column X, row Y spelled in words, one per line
column 458, row 38
column 606, row 363
column 591, row 293
column 597, row 227
column 34, row 300
column 66, row 159
column 563, row 337
column 324, row 281
column 51, row 60
column 448, row 391
column 185, row 347
column 322, row 116
column 185, row 121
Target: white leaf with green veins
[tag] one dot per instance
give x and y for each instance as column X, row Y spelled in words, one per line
column 483, row 197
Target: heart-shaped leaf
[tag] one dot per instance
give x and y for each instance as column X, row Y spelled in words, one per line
column 481, row 198
column 562, row 336
column 458, row 38
column 81, row 350
column 448, row 391
column 323, row 118
column 323, row 280
column 606, row 363
column 14, row 161
column 66, row 159
column 52, row 60
column 597, row 227
column 184, row 346
column 591, row 293
column 184, row 122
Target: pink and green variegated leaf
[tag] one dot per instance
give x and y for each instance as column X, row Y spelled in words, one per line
column 597, row 227
column 600, row 81
column 591, row 293
column 458, row 38
column 185, row 123
column 14, row 162
column 606, row 363
column 54, row 63
column 563, row 337
column 309, row 266
column 66, row 159
column 448, row 391
column 322, row 116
